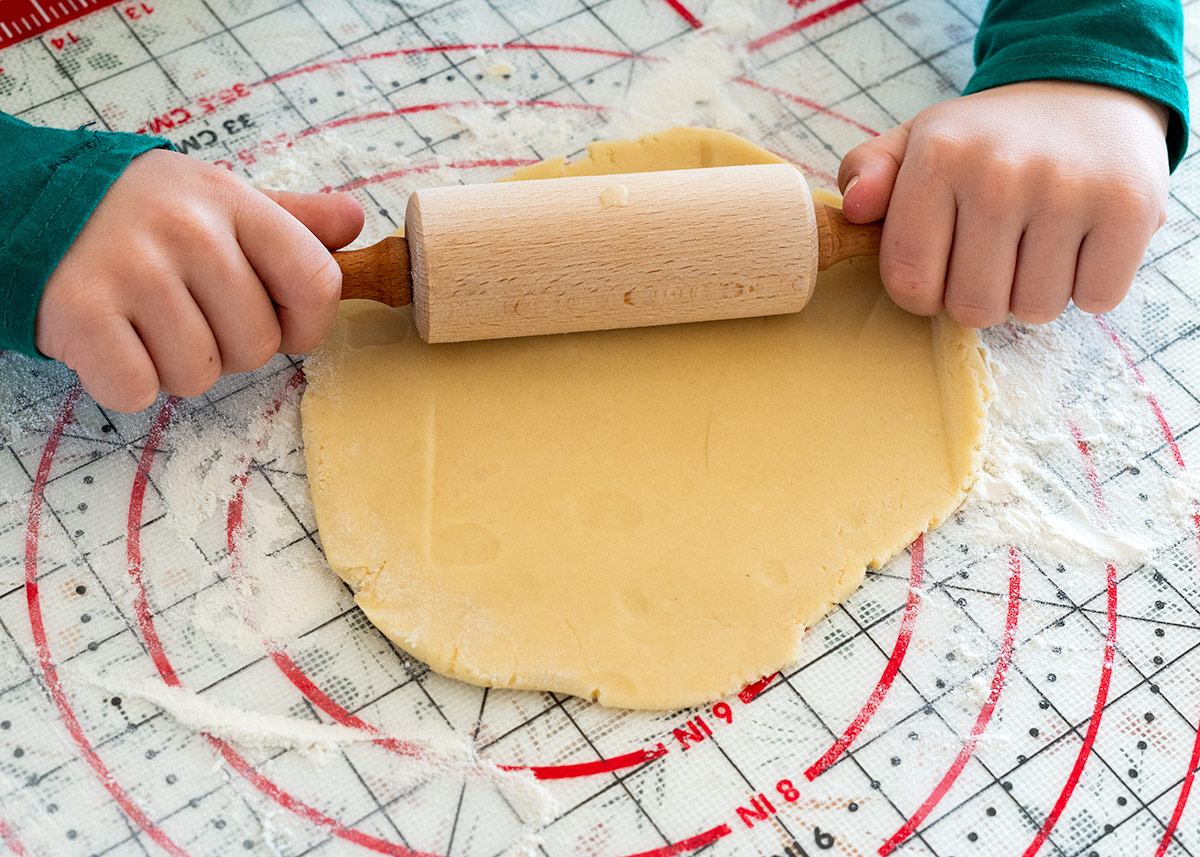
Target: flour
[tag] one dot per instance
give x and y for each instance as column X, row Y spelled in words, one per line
column 426, row 756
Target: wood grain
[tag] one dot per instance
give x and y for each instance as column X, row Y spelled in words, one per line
column 377, row 273
column 535, row 257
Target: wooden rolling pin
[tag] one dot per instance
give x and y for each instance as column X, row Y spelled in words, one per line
column 600, row 252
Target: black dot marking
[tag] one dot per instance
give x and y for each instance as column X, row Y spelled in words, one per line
column 1021, row 758
column 533, row 76
column 1132, row 773
column 312, row 101
column 1159, row 632
column 1158, row 578
column 852, row 806
column 449, row 77
column 962, row 602
column 895, row 761
column 171, row 779
column 1158, row 661
column 1143, row 497
column 395, row 83
column 91, row 647
column 972, row 836
column 150, row 754
column 106, row 428
column 940, row 683
column 1006, row 785
column 1062, row 595
column 79, row 534
column 1056, row 649
column 1044, row 704
column 479, row 77
column 913, row 736
column 928, row 709
column 1060, row 568
column 1158, row 605
column 18, row 753
column 963, row 549
column 1061, row 623
column 991, row 810
column 116, row 700
column 52, row 808
column 950, row 656
column 247, row 844
column 1033, row 732
column 1121, row 801
column 1154, row 688
column 80, row 589
column 1051, row 677
column 964, row 574
column 71, row 834
column 194, row 803
column 423, row 80
column 1141, row 745
column 1136, row 471
column 88, row 480
column 219, row 824
column 85, row 618
column 875, row 784
column 1149, row 715
column 82, row 507
column 593, row 80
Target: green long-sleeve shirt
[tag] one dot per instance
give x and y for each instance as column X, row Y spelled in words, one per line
column 54, row 179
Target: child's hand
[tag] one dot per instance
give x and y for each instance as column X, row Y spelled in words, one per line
column 184, row 273
column 1016, row 199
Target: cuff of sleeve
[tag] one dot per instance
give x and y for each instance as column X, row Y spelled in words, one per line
column 55, row 216
column 1158, row 82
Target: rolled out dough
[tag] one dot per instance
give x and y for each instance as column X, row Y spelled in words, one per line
column 651, row 518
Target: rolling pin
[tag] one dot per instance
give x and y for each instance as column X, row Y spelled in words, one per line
column 599, row 252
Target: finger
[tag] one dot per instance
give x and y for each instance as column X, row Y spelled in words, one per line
column 237, row 309
column 298, row 272
column 114, row 366
column 982, row 264
column 1045, row 272
column 179, row 341
column 1108, row 261
column 335, row 218
column 868, row 174
column 917, row 237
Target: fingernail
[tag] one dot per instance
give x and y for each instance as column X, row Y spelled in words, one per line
column 850, row 184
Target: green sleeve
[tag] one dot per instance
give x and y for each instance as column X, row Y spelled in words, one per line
column 51, row 182
column 1135, row 46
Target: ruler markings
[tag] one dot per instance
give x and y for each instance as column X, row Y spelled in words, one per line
column 36, row 20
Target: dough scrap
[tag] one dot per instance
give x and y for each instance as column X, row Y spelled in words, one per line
column 650, row 518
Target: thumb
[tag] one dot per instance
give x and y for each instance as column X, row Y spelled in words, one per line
column 335, row 218
column 868, row 173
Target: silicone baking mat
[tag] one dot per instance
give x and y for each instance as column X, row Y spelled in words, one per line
column 1035, row 693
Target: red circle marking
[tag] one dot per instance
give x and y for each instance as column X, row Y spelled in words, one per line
column 903, row 638
column 802, row 24
column 1110, row 647
column 1169, row 436
column 10, row 839
column 985, row 714
column 439, row 49
column 46, row 661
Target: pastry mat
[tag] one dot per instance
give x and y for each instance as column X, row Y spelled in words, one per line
column 974, row 698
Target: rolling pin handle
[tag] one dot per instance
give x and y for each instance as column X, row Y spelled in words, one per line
column 839, row 239
column 377, row 273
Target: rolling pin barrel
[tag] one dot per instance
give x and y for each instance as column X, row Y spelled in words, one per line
column 601, row 252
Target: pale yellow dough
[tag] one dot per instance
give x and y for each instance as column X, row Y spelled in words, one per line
column 651, row 518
